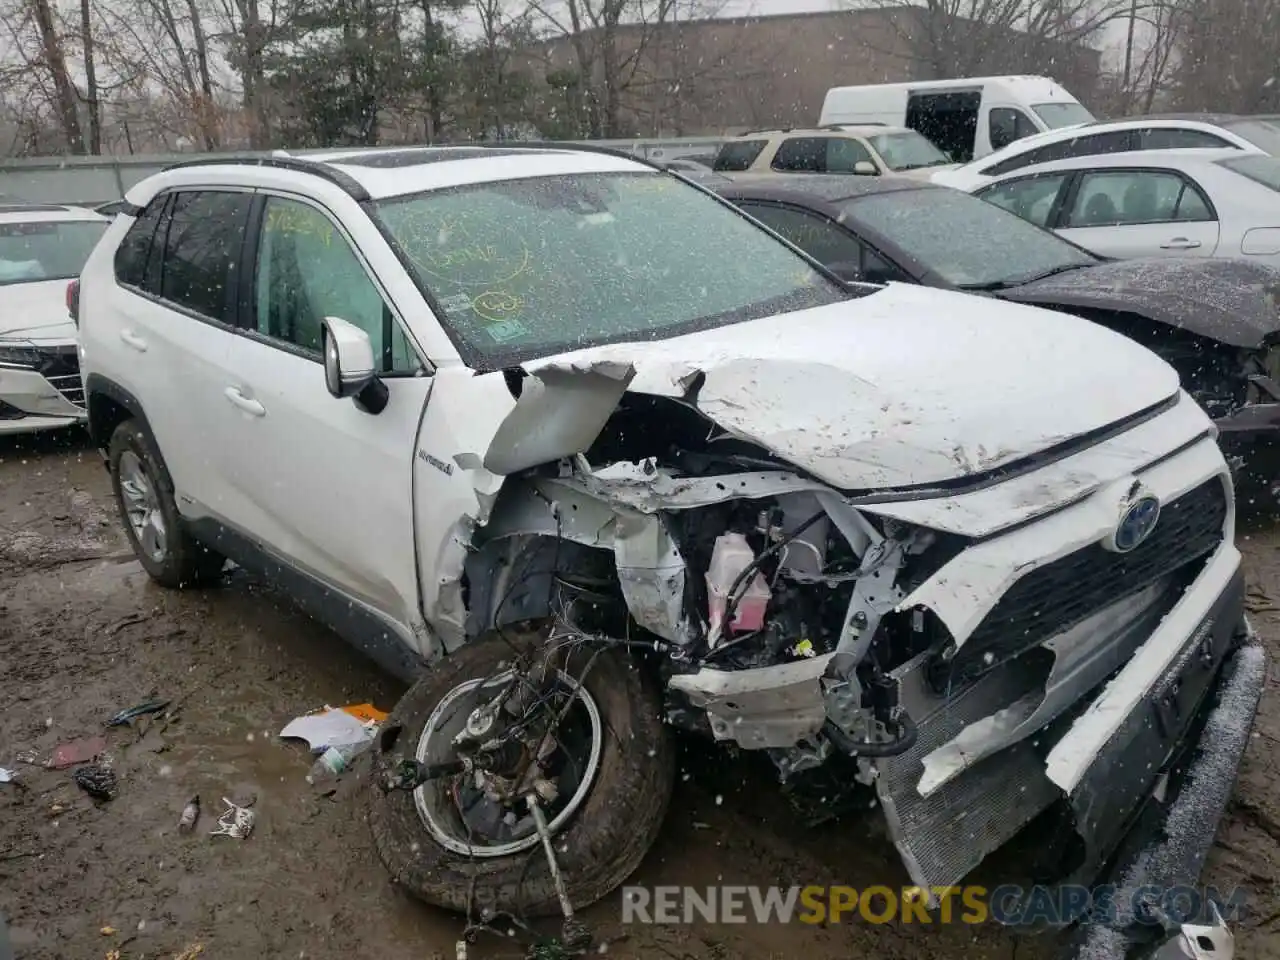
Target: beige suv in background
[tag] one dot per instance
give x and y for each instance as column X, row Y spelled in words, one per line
column 867, row 150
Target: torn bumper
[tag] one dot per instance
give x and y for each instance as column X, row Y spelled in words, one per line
column 1108, row 795
column 1165, row 842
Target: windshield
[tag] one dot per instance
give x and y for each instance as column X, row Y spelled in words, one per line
column 1259, row 169
column 907, row 151
column 533, row 267
column 46, row 249
column 1056, row 115
column 966, row 241
column 1262, row 134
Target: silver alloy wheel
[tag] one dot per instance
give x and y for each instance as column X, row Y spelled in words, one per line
column 142, row 507
column 429, row 806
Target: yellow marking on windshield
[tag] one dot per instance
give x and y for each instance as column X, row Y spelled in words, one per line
column 497, row 306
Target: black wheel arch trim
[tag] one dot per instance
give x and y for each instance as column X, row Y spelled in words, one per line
column 96, row 385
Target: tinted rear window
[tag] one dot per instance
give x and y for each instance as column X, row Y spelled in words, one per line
column 1098, row 143
column 135, row 248
column 1177, row 138
column 738, row 155
column 1263, row 170
column 205, row 236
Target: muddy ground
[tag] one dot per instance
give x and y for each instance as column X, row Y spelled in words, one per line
column 83, row 634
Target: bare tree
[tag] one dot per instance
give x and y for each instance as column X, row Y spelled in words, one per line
column 1244, row 80
column 503, row 29
column 53, row 60
column 250, row 28
column 1156, row 28
column 696, row 68
column 958, row 38
column 609, row 39
column 166, row 41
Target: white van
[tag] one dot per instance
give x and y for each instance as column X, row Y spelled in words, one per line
column 966, row 118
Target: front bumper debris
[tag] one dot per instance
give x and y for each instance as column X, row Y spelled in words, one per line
column 1167, row 842
column 1200, row 942
column 1110, row 793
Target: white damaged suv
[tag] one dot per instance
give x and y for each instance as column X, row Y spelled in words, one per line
column 587, row 454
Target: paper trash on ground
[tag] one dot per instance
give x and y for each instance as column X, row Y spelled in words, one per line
column 8, row 776
column 335, row 728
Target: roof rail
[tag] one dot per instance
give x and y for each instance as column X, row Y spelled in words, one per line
column 32, row 206
column 568, row 145
column 822, row 126
column 283, row 161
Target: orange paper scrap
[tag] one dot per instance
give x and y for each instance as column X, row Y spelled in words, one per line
column 366, row 712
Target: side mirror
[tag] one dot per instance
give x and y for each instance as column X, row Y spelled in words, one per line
column 865, row 168
column 348, row 365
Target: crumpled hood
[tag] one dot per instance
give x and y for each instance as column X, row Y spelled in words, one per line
column 906, row 386
column 1235, row 301
column 36, row 311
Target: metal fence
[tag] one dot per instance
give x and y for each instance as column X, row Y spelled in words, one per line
column 93, row 180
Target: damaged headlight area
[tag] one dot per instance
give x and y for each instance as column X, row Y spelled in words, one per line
column 774, row 601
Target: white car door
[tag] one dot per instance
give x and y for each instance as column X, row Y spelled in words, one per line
column 1140, row 213
column 321, row 484
column 167, row 326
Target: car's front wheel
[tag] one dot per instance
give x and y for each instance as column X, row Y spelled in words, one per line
column 144, row 497
column 605, row 769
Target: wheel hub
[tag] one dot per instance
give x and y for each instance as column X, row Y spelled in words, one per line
column 142, row 507
column 484, row 812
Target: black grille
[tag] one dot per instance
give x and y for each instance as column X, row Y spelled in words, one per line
column 1059, row 595
column 61, row 367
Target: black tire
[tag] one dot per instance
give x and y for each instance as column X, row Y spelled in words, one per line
column 186, row 562
column 596, row 850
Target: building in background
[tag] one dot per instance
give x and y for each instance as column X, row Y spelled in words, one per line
column 722, row 76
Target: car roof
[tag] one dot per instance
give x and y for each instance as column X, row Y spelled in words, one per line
column 1215, row 119
column 18, row 211
column 382, row 172
column 1186, row 121
column 831, row 129
column 827, row 188
column 1175, row 159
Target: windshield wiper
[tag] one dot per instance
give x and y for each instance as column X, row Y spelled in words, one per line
column 1022, row 281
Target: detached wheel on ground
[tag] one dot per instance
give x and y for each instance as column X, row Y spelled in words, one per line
column 144, row 497
column 611, row 761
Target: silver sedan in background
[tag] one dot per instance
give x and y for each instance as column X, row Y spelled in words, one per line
column 1199, row 203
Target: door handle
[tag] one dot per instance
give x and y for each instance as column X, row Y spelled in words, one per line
column 131, row 339
column 1180, row 243
column 252, row 407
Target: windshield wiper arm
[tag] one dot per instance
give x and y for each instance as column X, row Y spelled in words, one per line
column 1021, row 281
